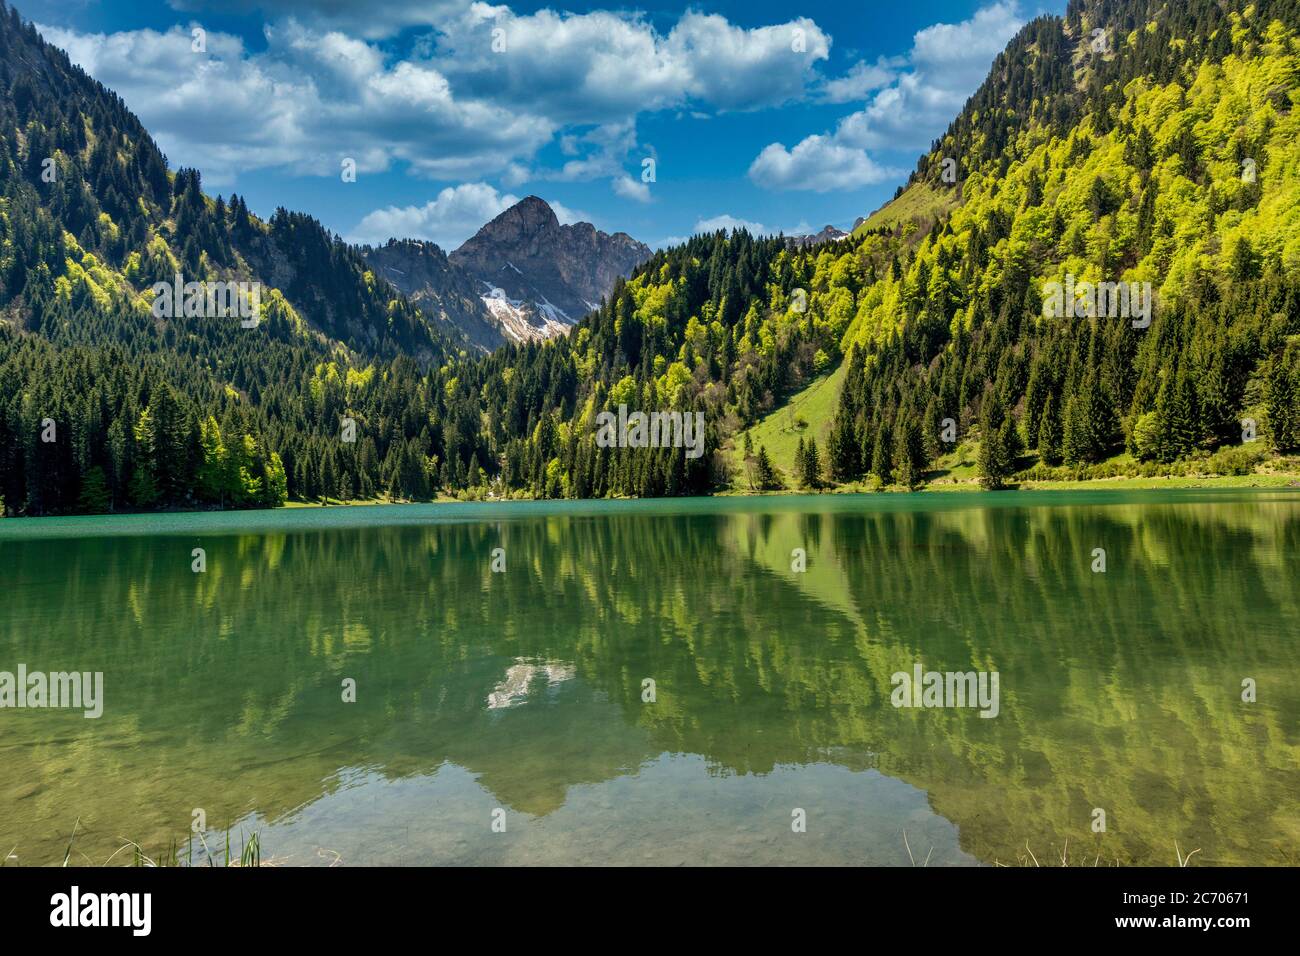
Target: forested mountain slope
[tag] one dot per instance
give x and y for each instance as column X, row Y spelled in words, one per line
column 1131, row 142
column 105, row 405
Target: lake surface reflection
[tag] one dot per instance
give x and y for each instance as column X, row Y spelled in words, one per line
column 525, row 691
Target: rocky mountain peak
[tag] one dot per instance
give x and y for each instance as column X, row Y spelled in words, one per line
column 828, row 233
column 564, row 270
column 531, row 215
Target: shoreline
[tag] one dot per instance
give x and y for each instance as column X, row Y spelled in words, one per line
column 299, row 516
column 971, row 486
column 1118, row 483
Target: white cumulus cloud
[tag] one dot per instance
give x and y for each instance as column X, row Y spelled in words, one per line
column 946, row 64
column 451, row 105
column 629, row 188
column 729, row 222
column 818, row 163
column 862, row 79
column 304, row 104
column 452, row 217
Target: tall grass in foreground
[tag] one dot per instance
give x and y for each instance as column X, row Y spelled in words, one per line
column 1028, row 858
column 250, row 853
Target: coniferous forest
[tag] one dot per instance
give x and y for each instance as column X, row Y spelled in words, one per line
column 1169, row 155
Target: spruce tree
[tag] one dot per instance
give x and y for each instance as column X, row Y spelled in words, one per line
column 810, row 469
column 997, row 447
column 1089, row 422
column 329, row 477
column 882, row 456
column 94, row 497
column 1179, row 419
column 909, row 451
column 1282, row 400
column 842, row 451
column 1049, row 432
column 767, row 477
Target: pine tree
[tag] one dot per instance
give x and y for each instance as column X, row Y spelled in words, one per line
column 810, row 467
column 1099, row 200
column 94, row 497
column 1180, row 430
column 1282, row 400
column 766, row 474
column 1089, row 422
column 909, row 452
column 997, row 447
column 210, row 476
column 1243, row 266
column 842, row 450
column 329, row 477
column 882, row 456
column 143, row 490
column 1049, row 432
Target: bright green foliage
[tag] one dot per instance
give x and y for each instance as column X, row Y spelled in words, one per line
column 1144, row 442
column 1128, row 167
column 277, row 482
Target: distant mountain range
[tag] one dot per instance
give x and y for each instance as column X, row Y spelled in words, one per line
column 522, row 277
column 828, row 234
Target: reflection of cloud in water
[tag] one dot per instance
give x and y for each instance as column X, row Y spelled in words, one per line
column 513, row 690
column 444, row 818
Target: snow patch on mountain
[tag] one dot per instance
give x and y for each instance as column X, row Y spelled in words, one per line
column 524, row 321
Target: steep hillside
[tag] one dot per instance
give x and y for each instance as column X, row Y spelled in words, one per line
column 1145, row 144
column 420, row 271
column 89, row 201
column 916, row 207
column 806, row 415
column 107, row 402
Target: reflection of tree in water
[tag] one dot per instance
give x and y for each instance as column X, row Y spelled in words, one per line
column 1119, row 690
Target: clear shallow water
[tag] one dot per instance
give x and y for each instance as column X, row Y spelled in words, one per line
column 523, row 691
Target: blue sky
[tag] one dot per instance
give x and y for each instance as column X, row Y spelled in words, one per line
column 785, row 117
